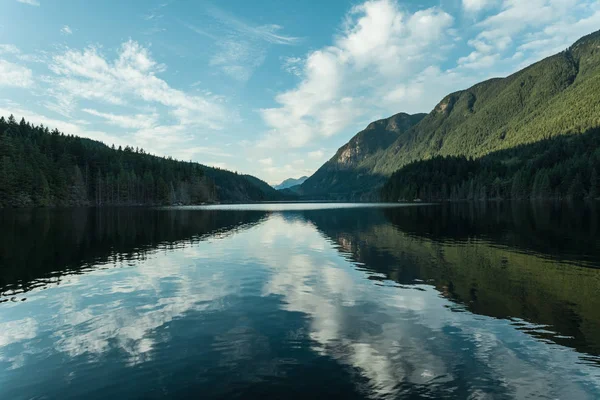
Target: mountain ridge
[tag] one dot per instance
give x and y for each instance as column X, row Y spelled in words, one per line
column 341, row 174
column 290, row 182
column 559, row 95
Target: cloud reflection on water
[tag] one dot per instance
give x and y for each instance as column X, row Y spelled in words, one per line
column 397, row 339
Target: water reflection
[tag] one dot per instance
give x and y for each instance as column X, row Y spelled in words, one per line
column 39, row 246
column 397, row 302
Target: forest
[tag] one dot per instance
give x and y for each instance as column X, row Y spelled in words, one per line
column 40, row 168
column 561, row 168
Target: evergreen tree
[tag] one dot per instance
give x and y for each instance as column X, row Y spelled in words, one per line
column 39, row 167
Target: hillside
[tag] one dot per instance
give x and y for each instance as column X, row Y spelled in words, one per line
column 43, row 168
column 557, row 96
column 564, row 167
column 349, row 173
column 290, row 182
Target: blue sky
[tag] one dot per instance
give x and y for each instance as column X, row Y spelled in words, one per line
column 266, row 87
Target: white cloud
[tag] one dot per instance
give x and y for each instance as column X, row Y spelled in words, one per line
column 477, row 5
column 66, row 30
column 15, row 75
column 532, row 30
column 316, row 155
column 380, row 44
column 559, row 35
column 131, row 77
column 30, row 2
column 268, row 33
column 266, row 161
column 292, row 65
column 476, row 60
column 137, row 121
column 220, row 165
column 9, row 49
column 189, row 153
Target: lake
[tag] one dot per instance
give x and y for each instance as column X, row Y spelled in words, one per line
column 480, row 301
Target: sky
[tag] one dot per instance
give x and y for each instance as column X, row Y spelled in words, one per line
column 266, row 87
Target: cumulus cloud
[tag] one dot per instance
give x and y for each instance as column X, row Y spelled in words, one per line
column 536, row 29
column 66, row 30
column 316, row 155
column 379, row 44
column 132, row 76
column 266, row 161
column 477, row 5
column 15, row 75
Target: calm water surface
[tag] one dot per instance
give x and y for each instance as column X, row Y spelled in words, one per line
column 301, row 301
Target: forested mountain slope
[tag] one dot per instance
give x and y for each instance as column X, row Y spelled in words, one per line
column 534, row 135
column 557, row 96
column 43, row 168
column 348, row 174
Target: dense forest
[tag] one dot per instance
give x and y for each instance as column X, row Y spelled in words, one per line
column 39, row 167
column 565, row 167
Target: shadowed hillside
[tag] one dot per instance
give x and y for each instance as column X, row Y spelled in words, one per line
column 348, row 175
column 43, row 168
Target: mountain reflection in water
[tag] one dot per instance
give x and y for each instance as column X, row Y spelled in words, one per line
column 494, row 301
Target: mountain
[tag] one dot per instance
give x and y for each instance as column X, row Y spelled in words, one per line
column 43, row 168
column 348, row 175
column 288, row 183
column 270, row 192
column 236, row 188
column 557, row 96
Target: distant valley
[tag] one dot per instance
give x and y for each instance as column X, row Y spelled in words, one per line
column 290, row 182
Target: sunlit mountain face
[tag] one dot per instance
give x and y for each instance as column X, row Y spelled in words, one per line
column 297, row 301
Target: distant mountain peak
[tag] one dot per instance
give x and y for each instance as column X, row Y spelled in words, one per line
column 288, row 183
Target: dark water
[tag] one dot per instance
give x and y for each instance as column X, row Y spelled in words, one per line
column 306, row 301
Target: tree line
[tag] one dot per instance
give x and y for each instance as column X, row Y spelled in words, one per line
column 561, row 168
column 39, row 167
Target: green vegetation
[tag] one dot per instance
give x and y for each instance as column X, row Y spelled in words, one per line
column 558, row 96
column 347, row 176
column 43, row 168
column 506, row 260
column 564, row 167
